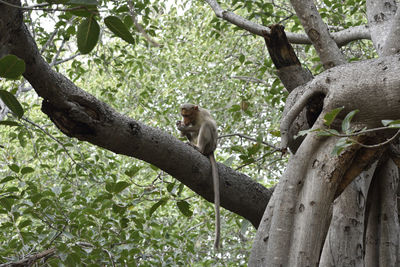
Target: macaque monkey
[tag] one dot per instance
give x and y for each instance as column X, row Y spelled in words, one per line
column 201, row 131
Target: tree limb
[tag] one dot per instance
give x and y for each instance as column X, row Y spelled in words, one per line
column 341, row 37
column 392, row 42
column 318, row 33
column 30, row 260
column 379, row 15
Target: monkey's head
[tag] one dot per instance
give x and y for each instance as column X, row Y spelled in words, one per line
column 189, row 113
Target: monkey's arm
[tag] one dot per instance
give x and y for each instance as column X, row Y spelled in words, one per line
column 187, row 128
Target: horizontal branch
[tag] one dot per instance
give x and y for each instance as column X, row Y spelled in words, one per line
column 30, row 260
column 341, row 37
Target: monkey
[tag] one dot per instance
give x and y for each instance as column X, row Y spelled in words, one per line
column 201, row 130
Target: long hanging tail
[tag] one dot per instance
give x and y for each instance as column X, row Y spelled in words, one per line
column 216, row 201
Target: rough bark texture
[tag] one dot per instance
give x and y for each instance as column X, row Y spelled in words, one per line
column 292, row 75
column 344, row 244
column 352, row 86
column 79, row 114
column 341, row 38
column 382, row 229
column 379, row 14
column 318, row 33
column 297, row 216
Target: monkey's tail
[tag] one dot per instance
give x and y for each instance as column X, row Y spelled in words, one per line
column 215, row 176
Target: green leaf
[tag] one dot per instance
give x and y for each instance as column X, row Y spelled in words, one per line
column 302, row 133
column 86, row 11
column 8, row 178
column 118, row 28
column 110, row 187
column 161, row 202
column 328, row 132
column 88, row 35
column 180, row 189
column 244, row 227
column 36, row 197
column 391, row 123
column 341, row 144
column 229, row 161
column 9, row 123
column 128, row 21
column 170, row 187
column 26, row 170
column 11, row 67
column 14, row 168
column 153, row 167
column 386, row 122
column 330, row 117
column 22, row 139
column 12, row 103
column 24, row 224
column 241, row 58
column 346, row 121
column 119, row 186
column 6, row 203
column 12, row 189
column 184, row 207
column 119, row 208
column 132, row 171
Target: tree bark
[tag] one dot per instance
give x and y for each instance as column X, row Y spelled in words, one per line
column 382, row 230
column 344, row 244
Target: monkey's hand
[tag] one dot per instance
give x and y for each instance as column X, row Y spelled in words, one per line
column 182, row 127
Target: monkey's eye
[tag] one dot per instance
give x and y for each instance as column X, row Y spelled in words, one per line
column 185, row 115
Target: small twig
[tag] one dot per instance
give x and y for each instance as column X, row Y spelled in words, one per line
column 250, row 138
column 53, row 34
column 260, row 158
column 30, row 260
column 139, row 27
column 364, row 132
column 57, row 53
column 49, row 135
column 379, row 144
column 88, row 245
column 65, row 59
column 38, row 7
column 359, row 133
column 249, row 79
column 193, row 227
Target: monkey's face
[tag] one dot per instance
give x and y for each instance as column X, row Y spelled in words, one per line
column 188, row 116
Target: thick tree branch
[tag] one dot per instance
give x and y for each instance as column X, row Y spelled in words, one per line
column 79, row 114
column 291, row 74
column 318, row 33
column 392, row 42
column 380, row 14
column 340, row 37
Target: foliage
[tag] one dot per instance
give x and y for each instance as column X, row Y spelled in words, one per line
column 95, row 206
